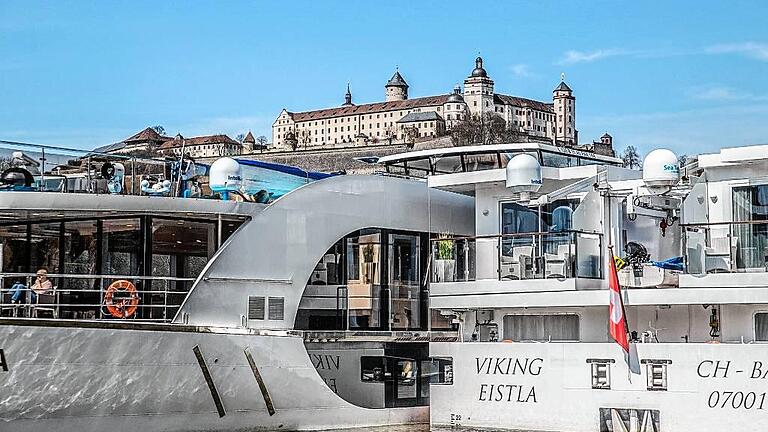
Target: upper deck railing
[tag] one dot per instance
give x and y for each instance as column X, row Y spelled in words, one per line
column 520, row 256
column 78, row 296
column 61, row 169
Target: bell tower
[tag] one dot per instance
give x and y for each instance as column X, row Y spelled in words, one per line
column 565, row 114
column 478, row 90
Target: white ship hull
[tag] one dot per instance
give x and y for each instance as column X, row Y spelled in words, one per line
column 548, row 387
column 76, row 377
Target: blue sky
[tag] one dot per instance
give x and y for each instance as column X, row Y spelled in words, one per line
column 685, row 75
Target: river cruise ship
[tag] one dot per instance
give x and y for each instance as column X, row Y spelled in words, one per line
column 528, row 291
column 136, row 297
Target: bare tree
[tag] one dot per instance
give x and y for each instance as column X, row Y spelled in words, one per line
column 240, row 138
column 682, row 160
column 261, row 140
column 159, row 129
column 490, row 128
column 631, row 158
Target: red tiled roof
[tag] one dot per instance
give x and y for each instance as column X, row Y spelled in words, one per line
column 147, row 134
column 369, row 108
column 249, row 138
column 522, row 102
column 200, row 140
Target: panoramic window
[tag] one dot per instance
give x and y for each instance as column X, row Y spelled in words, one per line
column 541, row 328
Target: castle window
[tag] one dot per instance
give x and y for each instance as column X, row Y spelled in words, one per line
column 474, row 103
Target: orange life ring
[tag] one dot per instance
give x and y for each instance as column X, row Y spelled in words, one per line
column 123, row 306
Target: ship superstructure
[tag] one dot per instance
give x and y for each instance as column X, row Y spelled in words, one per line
column 528, row 291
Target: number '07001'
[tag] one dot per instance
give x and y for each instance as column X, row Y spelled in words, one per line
column 736, row 400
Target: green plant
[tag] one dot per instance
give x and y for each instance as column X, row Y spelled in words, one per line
column 445, row 248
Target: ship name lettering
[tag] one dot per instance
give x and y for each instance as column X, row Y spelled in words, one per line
column 325, row 361
column 713, row 369
column 508, row 366
column 758, row 371
column 507, row 393
column 3, row 363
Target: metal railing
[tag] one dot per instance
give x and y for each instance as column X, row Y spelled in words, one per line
column 61, row 169
column 725, row 247
column 77, row 296
column 536, row 255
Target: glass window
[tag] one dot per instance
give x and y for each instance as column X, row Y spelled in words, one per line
column 438, row 371
column 372, row 369
column 14, row 248
column 363, row 279
column 122, row 246
column 406, row 378
column 541, row 328
column 750, row 203
column 44, row 246
column 558, row 160
column 404, row 280
column 761, row 326
column 181, row 248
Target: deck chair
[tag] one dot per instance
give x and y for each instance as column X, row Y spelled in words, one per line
column 557, row 265
column 718, row 258
column 517, row 266
column 48, row 302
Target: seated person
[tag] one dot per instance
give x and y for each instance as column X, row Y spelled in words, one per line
column 42, row 285
column 17, row 289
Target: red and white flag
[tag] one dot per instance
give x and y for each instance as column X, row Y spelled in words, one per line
column 617, row 322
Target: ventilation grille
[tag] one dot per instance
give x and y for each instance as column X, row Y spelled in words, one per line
column 276, row 308
column 256, row 308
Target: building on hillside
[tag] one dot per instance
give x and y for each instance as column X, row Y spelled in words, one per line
column 202, row 146
column 146, row 141
column 150, row 143
column 352, row 124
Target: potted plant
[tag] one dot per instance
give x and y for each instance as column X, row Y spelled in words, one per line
column 445, row 259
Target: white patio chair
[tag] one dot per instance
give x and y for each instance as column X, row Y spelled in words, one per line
column 517, row 265
column 557, row 265
column 718, row 256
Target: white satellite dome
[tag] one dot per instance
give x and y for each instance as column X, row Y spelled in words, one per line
column 660, row 170
column 225, row 175
column 523, row 174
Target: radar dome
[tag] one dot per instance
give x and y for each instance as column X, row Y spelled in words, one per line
column 225, row 175
column 660, row 169
column 523, row 174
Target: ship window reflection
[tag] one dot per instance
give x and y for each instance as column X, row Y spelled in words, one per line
column 14, row 248
column 44, row 246
column 363, row 279
column 121, row 246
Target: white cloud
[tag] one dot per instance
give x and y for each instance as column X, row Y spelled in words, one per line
column 521, row 70
column 574, row 56
column 723, row 94
column 755, row 50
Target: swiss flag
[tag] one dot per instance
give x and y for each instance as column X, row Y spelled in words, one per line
column 617, row 322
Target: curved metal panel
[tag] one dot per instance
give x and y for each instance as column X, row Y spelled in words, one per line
column 275, row 253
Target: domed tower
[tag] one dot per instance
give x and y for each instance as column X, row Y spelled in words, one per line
column 455, row 108
column 396, row 88
column 347, row 98
column 565, row 114
column 478, row 90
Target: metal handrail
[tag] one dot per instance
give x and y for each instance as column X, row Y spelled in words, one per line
column 28, row 305
column 514, row 235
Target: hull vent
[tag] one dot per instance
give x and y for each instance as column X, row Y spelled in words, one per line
column 256, row 308
column 276, row 308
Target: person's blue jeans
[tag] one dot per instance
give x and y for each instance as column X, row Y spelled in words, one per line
column 18, row 292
